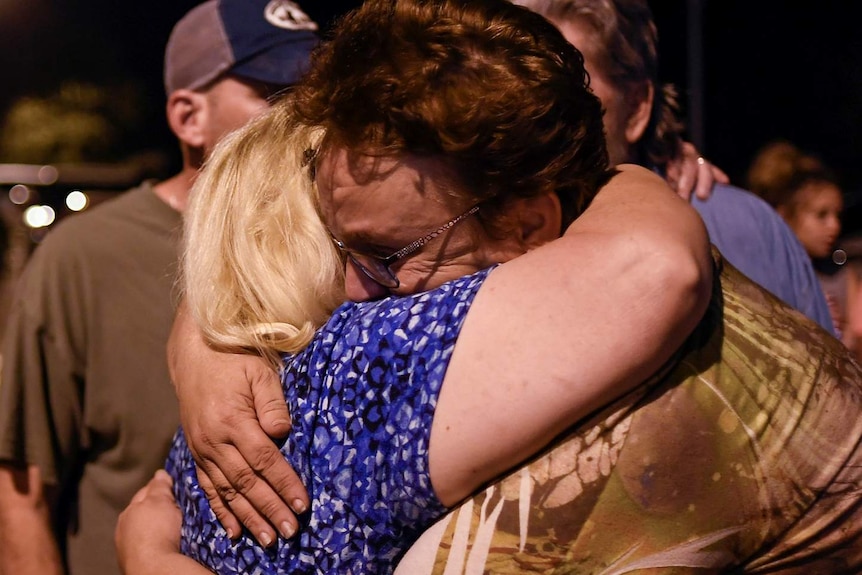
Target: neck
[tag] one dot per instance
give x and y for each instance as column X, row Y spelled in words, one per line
column 175, row 190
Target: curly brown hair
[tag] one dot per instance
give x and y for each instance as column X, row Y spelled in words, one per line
column 490, row 88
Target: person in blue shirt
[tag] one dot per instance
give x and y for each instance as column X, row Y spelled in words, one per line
column 619, row 41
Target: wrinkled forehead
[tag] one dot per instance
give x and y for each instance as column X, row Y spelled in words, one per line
column 338, row 169
column 352, row 185
column 581, row 33
column 339, row 166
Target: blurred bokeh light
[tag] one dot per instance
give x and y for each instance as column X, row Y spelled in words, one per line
column 39, row 216
column 77, row 200
column 19, row 194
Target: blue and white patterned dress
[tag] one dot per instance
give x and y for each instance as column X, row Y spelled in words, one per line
column 362, row 396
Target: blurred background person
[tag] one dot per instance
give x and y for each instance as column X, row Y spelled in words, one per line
column 807, row 194
column 619, row 41
column 87, row 410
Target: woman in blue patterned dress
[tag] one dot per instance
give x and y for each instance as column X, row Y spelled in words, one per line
column 466, row 349
column 394, row 421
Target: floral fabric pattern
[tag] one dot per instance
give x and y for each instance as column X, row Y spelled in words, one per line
column 362, row 396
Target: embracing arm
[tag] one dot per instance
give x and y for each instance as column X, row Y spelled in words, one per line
column 148, row 533
column 567, row 328
column 221, row 397
column 237, row 282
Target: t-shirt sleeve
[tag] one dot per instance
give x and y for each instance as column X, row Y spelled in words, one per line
column 40, row 392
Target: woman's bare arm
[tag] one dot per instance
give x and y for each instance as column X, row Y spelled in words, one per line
column 148, row 533
column 569, row 327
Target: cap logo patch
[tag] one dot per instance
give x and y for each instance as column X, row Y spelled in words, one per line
column 288, row 15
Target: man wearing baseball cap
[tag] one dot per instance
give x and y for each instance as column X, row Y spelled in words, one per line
column 87, row 410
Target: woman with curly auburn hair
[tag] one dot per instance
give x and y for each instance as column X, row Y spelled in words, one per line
column 635, row 380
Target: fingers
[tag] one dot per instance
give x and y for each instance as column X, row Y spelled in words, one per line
column 229, row 502
column 274, row 419
column 227, row 519
column 265, row 480
column 163, row 478
column 218, row 481
column 159, row 486
column 690, row 173
column 244, row 475
column 708, row 175
column 141, row 494
column 688, row 170
column 703, row 180
column 718, row 174
column 244, row 483
column 150, row 523
column 269, row 402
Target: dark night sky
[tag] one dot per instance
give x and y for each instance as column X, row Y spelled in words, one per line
column 43, row 42
column 771, row 69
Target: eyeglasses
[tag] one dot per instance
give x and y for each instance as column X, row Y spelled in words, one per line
column 379, row 270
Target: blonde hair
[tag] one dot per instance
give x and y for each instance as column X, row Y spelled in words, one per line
column 259, row 269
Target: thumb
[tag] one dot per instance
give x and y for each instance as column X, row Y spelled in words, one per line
column 269, row 403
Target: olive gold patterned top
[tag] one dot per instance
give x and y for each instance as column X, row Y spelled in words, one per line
column 744, row 457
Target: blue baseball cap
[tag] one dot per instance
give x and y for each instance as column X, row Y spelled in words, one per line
column 265, row 40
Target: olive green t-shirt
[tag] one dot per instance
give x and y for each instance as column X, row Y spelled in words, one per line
column 85, row 392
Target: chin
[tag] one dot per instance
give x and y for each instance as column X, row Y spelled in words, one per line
column 821, row 254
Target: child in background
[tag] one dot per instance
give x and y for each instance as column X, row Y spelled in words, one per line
column 806, row 193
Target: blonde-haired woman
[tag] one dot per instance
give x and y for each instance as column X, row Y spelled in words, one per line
column 260, row 272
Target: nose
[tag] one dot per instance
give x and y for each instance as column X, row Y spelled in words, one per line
column 360, row 287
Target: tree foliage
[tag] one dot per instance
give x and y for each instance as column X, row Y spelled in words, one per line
column 80, row 122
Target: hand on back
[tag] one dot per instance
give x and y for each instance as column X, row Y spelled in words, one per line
column 692, row 174
column 231, row 408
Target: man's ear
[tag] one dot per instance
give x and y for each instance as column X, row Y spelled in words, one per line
column 539, row 219
column 186, row 113
column 640, row 105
